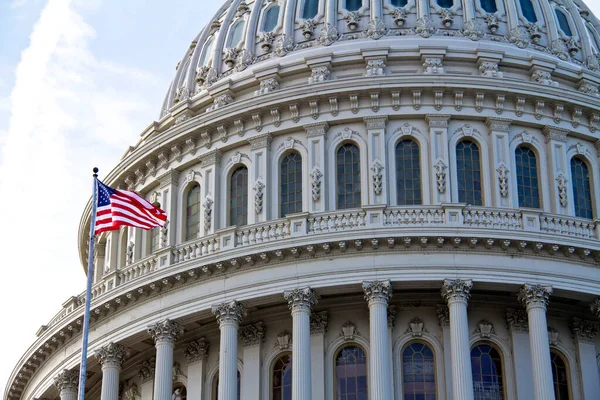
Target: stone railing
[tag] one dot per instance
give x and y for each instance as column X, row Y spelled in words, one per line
column 379, row 219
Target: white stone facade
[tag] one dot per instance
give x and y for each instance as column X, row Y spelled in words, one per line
column 170, row 309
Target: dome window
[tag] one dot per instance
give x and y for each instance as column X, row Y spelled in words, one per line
column 207, row 55
column 348, row 176
column 527, row 178
column 489, row 6
column 238, row 197
column 408, row 173
column 445, row 3
column 192, row 213
column 270, row 19
column 310, row 9
column 486, row 363
column 351, row 373
column 291, row 184
column 468, row 169
column 528, row 10
column 353, row 5
column 418, row 372
column 593, row 39
column 582, row 194
column 563, row 22
column 399, row 3
column 235, row 37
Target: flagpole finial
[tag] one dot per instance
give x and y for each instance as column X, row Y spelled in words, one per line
column 95, row 171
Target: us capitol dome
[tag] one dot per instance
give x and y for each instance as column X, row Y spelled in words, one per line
column 384, row 199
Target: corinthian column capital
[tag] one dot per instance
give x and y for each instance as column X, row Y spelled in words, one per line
column 595, row 307
column 165, row 331
column 535, row 296
column 113, row 354
column 377, row 291
column 300, row 299
column 197, row 350
column 67, row 380
column 457, row 290
column 229, row 312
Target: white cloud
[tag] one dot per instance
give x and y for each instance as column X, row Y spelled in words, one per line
column 69, row 111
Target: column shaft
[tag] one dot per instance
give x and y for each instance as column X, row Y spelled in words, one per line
column 543, row 387
column 110, row 381
column 301, row 374
column 379, row 374
column 228, row 361
column 68, row 394
column 163, row 378
column 461, row 353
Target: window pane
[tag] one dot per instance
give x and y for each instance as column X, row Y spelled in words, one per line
column 468, row 169
column 348, row 177
column 486, row 365
column 408, row 173
column 418, row 372
column 281, row 375
column 399, row 3
column 235, row 37
column 192, row 215
column 489, row 6
column 528, row 10
column 291, row 184
column 527, row 178
column 207, row 55
column 582, row 195
column 560, row 376
column 353, row 5
column 351, row 374
column 563, row 22
column 311, row 8
column 445, row 3
column 271, row 18
column 238, row 197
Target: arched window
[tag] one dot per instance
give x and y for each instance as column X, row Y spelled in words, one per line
column 310, row 9
column 348, row 176
column 582, row 194
column 408, row 173
column 291, row 184
column 593, row 38
column 527, row 178
column 563, row 22
column 528, row 10
column 192, row 212
column 281, row 378
column 468, row 169
column 179, row 391
column 235, row 37
column 418, row 372
column 445, row 3
column 270, row 19
column 238, row 197
column 489, row 6
column 560, row 376
column 215, row 386
column 351, row 374
column 207, row 54
column 353, row 5
column 486, row 364
column 399, row 3
column 153, row 240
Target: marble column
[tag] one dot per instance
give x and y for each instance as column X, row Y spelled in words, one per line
column 378, row 294
column 229, row 315
column 301, row 302
column 196, row 353
column 111, row 359
column 67, row 382
column 165, row 334
column 535, row 299
column 457, row 293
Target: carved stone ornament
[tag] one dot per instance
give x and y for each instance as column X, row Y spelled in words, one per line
column 146, row 370
column 230, row 56
column 425, row 27
column 132, row 392
column 560, row 49
column 376, row 28
column 589, row 89
column 284, row 340
column 285, row 45
column 399, row 15
column 352, row 20
column 433, row 66
column 220, row 101
column 315, row 181
column 391, row 316
column 415, row 327
column 543, row 78
column 584, row 330
column 535, row 295
column 348, row 331
column 377, row 291
column 520, row 37
column 266, row 40
column 206, row 76
column 319, row 75
column 267, row 86
column 503, row 179
column 443, row 314
column 245, row 58
column 165, row 331
column 329, row 35
column 67, row 381
column 553, row 336
column 301, row 299
column 129, row 252
column 447, row 16
column 208, row 207
column 489, row 69
column 229, row 312
column 595, row 307
column 176, row 372
column 457, row 290
column 308, row 28
column 113, row 354
column 561, row 181
column 473, row 30
column 376, row 68
column 485, row 329
column 253, row 334
column 492, row 22
column 440, row 175
column 164, row 234
column 197, row 350
column 259, row 192
column 318, row 322
column 517, row 320
column 181, row 94
column 377, row 170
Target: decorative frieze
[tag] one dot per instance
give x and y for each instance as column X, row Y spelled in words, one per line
column 457, row 289
column 378, row 122
column 146, row 369
column 301, row 299
column 253, row 334
column 535, row 295
column 229, row 312
column 316, row 129
column 113, row 354
column 165, row 331
column 318, row 322
column 517, row 320
column 197, row 350
column 584, row 330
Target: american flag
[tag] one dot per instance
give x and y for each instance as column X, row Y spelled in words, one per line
column 118, row 208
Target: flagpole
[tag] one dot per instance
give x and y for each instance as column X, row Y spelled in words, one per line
column 88, row 294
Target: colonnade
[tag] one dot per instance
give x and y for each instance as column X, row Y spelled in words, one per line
column 301, row 301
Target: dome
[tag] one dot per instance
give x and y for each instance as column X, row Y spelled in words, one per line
column 366, row 200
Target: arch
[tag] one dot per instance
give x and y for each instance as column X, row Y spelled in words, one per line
column 407, row 159
column 489, row 6
column 290, row 183
column 560, row 375
column 563, row 21
column 445, row 3
column 351, row 372
column 310, row 9
column 332, row 351
column 348, row 186
column 353, row 5
column 270, row 18
column 238, row 196
column 192, row 212
column 236, row 34
column 213, row 378
column 469, row 172
column 527, row 173
column 399, row 3
column 280, row 377
column 289, row 145
column 594, row 37
column 581, row 187
column 438, row 350
column 237, row 160
column 488, row 369
column 528, row 10
column 418, row 370
column 571, row 361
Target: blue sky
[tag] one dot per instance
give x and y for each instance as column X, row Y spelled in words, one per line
column 79, row 81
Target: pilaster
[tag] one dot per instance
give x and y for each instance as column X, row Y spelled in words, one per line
column 196, row 354
column 210, row 169
column 585, row 333
column 146, row 373
column 318, row 328
column 518, row 326
column 556, row 150
column 169, row 182
column 259, row 200
column 253, row 337
column 440, row 162
column 378, row 185
column 500, row 162
column 315, row 134
column 443, row 314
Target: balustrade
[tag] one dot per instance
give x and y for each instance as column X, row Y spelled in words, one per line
column 263, row 232
column 337, row 221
